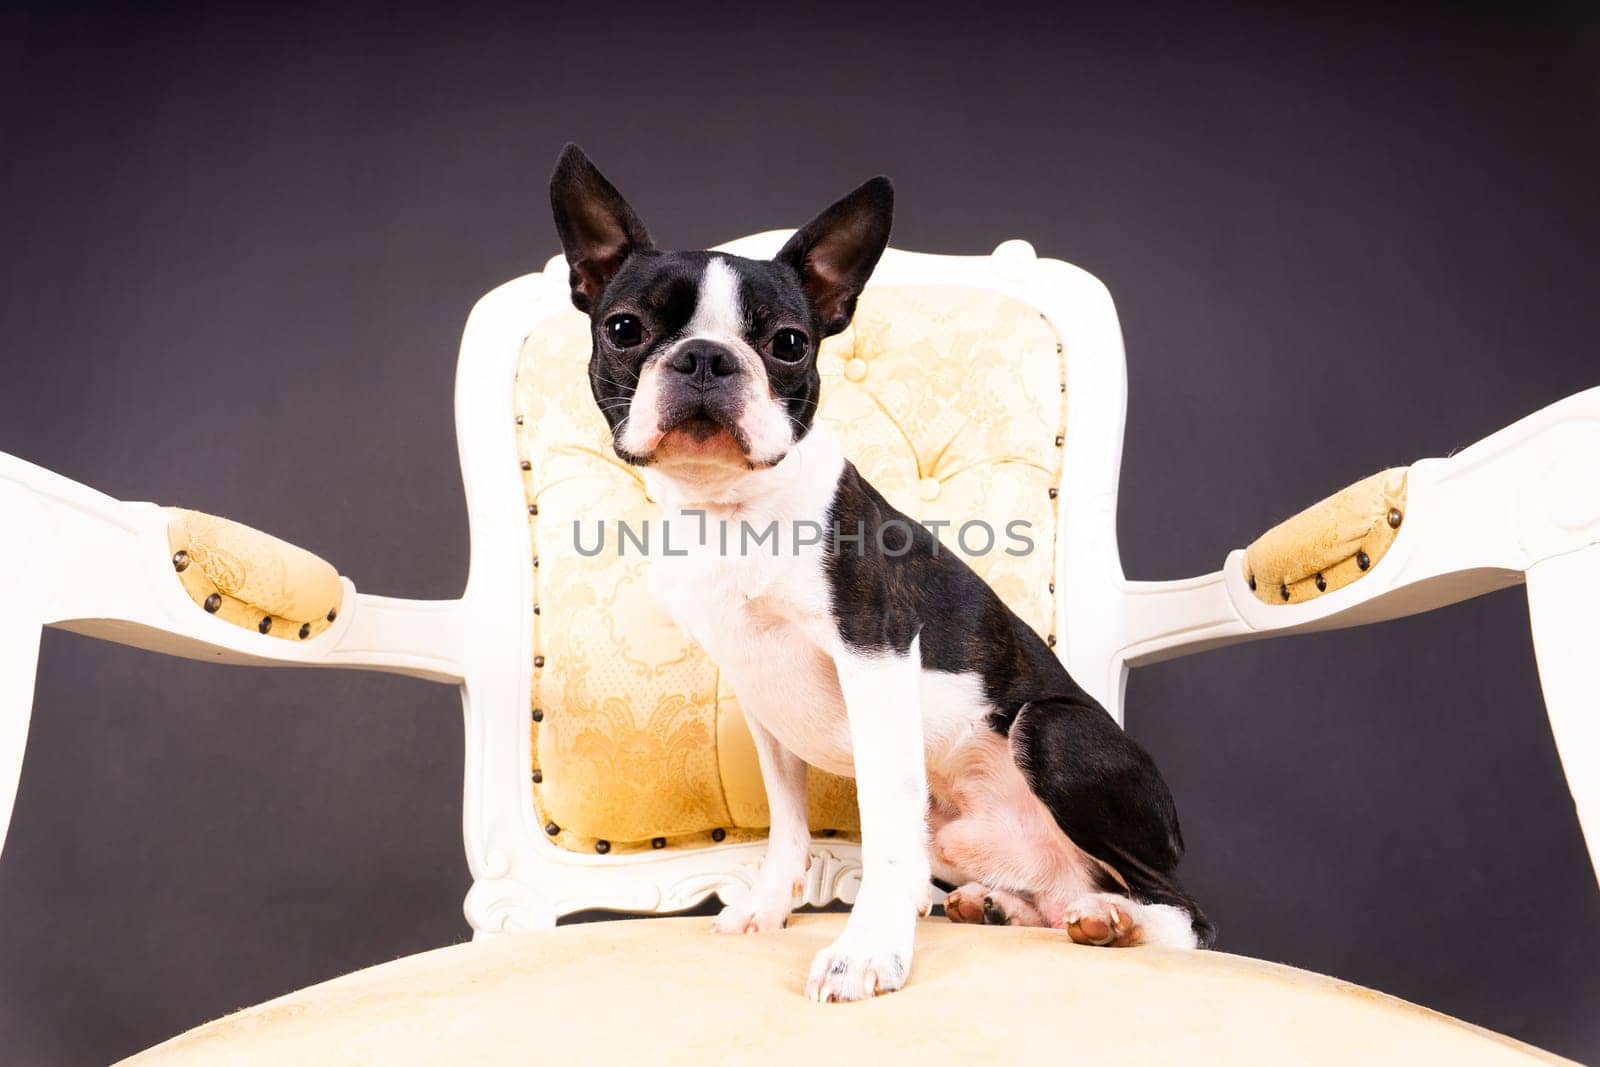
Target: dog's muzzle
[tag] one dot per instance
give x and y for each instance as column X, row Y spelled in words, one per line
column 703, row 389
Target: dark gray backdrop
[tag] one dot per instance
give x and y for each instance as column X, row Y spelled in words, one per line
column 238, row 252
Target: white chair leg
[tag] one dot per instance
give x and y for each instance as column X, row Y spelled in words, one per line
column 1564, row 605
column 19, row 663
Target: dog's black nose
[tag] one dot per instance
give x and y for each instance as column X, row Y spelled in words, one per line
column 703, row 360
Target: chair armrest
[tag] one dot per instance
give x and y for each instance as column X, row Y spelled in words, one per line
column 187, row 584
column 1399, row 542
column 191, row 584
column 252, row 579
column 1330, row 544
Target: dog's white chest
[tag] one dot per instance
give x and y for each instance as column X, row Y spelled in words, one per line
column 764, row 619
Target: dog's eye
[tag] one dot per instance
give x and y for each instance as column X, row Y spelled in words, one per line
column 624, row 331
column 789, row 346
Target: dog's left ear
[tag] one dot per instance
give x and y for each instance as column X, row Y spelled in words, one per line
column 835, row 252
column 599, row 231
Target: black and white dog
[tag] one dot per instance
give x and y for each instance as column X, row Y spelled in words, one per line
column 978, row 760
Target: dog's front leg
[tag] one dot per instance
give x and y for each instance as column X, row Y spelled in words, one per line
column 873, row 955
column 783, row 868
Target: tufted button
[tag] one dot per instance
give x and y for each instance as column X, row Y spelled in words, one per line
column 855, row 369
column 1322, row 583
column 928, row 489
column 658, row 842
column 602, row 847
column 213, row 602
column 526, row 465
column 1252, row 581
column 538, row 661
column 1394, row 518
column 1283, row 591
column 538, row 776
column 552, row 829
column 718, row 834
column 538, row 715
column 1363, row 560
column 305, row 630
column 333, row 613
column 265, row 624
column 180, row 561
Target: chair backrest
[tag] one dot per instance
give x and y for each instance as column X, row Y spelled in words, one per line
column 607, row 763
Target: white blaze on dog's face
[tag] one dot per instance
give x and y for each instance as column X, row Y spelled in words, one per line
column 705, row 364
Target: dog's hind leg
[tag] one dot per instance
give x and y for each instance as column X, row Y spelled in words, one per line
column 1106, row 795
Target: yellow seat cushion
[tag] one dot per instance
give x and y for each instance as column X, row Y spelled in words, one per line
column 951, row 401
column 1330, row 544
column 668, row 991
column 252, row 579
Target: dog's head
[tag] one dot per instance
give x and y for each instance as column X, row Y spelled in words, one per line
column 705, row 364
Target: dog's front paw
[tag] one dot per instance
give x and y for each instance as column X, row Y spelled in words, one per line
column 850, row 971
column 763, row 909
column 738, row 919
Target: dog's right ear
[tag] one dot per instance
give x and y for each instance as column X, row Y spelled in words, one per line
column 599, row 231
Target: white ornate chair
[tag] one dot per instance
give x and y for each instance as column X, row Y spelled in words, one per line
column 607, row 767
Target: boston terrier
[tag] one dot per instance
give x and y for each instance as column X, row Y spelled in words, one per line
column 869, row 652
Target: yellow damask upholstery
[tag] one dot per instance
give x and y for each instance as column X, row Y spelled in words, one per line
column 675, row 993
column 252, row 579
column 950, row 400
column 1331, row 543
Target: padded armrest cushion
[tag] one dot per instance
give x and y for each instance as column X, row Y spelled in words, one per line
column 252, row 579
column 1330, row 544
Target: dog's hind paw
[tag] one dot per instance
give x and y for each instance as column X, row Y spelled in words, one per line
column 1101, row 919
column 974, row 903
